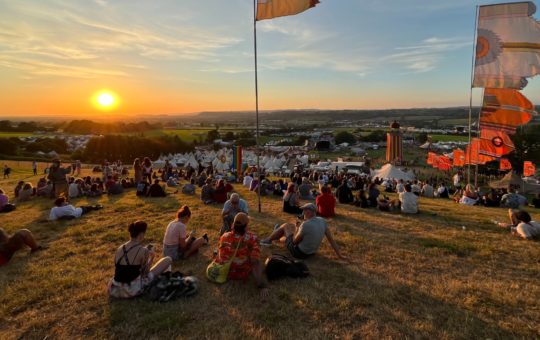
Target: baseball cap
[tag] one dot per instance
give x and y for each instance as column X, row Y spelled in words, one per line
column 309, row 206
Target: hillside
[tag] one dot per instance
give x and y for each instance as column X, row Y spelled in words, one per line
column 447, row 273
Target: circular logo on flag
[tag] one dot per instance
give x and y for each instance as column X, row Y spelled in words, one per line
column 497, row 141
column 488, row 47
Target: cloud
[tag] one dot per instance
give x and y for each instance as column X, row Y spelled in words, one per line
column 426, row 55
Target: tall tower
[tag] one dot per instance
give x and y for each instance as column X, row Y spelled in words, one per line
column 394, row 144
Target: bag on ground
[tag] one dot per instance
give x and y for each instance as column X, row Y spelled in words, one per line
column 278, row 266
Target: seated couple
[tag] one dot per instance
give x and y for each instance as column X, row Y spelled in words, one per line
column 304, row 239
column 177, row 243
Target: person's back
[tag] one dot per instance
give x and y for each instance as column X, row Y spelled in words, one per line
column 344, row 193
column 427, row 191
column 304, row 190
column 26, row 194
column 115, row 189
column 206, row 193
column 510, row 200
column 73, row 190
column 64, row 211
column 409, row 202
column 400, row 187
column 312, row 232
column 326, row 204
column 156, row 190
column 528, row 230
column 188, row 189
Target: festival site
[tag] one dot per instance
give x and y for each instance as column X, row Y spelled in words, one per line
column 269, row 169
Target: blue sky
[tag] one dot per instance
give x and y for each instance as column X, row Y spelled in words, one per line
column 179, row 56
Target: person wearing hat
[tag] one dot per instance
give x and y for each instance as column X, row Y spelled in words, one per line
column 304, row 239
column 57, row 176
column 246, row 261
column 231, row 208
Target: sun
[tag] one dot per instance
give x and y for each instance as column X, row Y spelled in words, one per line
column 105, row 100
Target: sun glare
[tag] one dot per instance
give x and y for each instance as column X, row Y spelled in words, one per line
column 105, row 100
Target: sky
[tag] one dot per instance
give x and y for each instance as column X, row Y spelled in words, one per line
column 187, row 56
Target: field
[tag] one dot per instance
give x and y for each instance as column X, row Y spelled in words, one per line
column 447, row 273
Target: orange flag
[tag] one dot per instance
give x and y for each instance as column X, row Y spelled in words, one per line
column 505, row 164
column 507, row 97
column 473, row 155
column 459, row 157
column 444, row 163
column 528, row 169
column 503, row 118
column 269, row 9
column 431, row 158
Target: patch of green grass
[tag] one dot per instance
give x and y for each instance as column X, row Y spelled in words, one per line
column 449, row 138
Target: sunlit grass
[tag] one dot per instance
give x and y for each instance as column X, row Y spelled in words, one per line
column 421, row 276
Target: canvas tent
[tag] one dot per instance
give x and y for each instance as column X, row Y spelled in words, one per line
column 392, row 172
column 513, row 180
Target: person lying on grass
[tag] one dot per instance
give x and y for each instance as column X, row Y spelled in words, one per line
column 304, row 239
column 62, row 210
column 133, row 270
column 177, row 244
column 9, row 245
column 246, row 262
column 522, row 224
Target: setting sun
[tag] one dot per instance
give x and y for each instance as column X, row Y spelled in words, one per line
column 105, row 100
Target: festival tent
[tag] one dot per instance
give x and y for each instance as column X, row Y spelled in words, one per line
column 192, row 162
column 515, row 181
column 392, row 172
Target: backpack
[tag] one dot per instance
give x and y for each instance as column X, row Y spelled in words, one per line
column 169, row 286
column 278, row 266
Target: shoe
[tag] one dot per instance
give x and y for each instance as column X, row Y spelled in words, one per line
column 266, row 242
column 205, row 236
column 276, row 226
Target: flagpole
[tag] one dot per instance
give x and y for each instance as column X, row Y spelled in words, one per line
column 471, row 95
column 257, row 105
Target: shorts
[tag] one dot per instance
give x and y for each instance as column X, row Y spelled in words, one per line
column 174, row 252
column 293, row 249
column 127, row 290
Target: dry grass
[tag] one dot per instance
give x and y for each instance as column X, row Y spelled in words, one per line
column 409, row 277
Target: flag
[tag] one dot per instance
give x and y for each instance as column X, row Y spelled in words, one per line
column 493, row 148
column 444, row 163
column 505, row 164
column 503, row 119
column 431, row 157
column 459, row 157
column 508, row 45
column 528, row 169
column 473, row 155
column 507, row 98
column 268, row 9
column 237, row 159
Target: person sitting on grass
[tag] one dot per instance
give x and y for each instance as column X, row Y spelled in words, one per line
column 177, row 244
column 408, row 201
column 94, row 191
column 75, row 189
column 305, row 189
column 18, row 188
column 291, row 204
column 231, row 208
column 26, row 193
column 442, row 191
column 361, row 200
column 133, row 270
column 156, row 190
column 189, row 188
column 344, row 193
column 326, row 203
column 304, row 239
column 5, row 206
column 9, row 245
column 220, row 192
column 114, row 187
column 427, row 190
column 522, row 224
column 470, row 197
column 65, row 211
column 513, row 200
column 207, row 192
column 246, row 262
column 43, row 187
column 142, row 187
column 373, row 195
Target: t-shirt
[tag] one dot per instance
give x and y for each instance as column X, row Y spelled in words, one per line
column 3, row 200
column 312, row 231
column 512, row 200
column 528, row 230
column 73, row 190
column 415, row 188
column 427, row 191
column 409, row 202
column 305, row 190
column 247, row 181
column 326, row 204
column 66, row 210
column 400, row 188
column 242, row 207
column 174, row 232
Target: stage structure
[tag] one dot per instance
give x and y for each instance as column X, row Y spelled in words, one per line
column 394, row 144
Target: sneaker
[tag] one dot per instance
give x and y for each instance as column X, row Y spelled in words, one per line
column 266, row 242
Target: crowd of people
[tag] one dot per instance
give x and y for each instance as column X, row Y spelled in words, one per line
column 310, row 196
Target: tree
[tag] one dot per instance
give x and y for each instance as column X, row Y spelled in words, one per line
column 527, row 143
column 375, row 136
column 422, row 137
column 229, row 136
column 212, row 136
column 345, row 137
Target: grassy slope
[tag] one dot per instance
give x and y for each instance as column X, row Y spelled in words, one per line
column 410, row 276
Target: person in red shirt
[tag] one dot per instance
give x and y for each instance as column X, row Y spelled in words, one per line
column 326, row 203
column 247, row 258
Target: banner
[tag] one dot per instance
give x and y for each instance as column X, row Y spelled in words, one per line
column 459, row 158
column 505, row 164
column 431, row 157
column 444, row 163
column 529, row 169
column 237, row 160
column 508, row 45
column 269, row 9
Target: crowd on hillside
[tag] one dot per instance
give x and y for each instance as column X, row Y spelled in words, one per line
column 310, row 196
